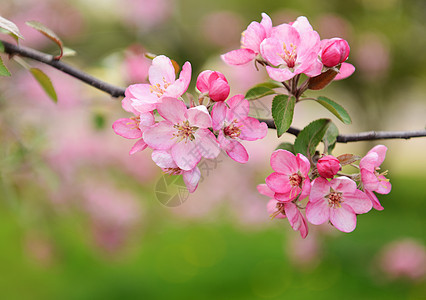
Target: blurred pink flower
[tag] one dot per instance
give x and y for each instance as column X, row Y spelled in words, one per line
column 136, row 65
column 404, row 259
column 221, row 28
column 145, row 14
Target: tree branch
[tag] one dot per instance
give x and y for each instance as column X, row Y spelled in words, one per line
column 116, row 92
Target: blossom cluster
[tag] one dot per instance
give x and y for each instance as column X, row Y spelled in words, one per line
column 333, row 196
column 290, row 49
column 180, row 136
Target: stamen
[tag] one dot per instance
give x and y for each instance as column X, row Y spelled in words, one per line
column 233, row 130
column 185, row 131
column 335, row 199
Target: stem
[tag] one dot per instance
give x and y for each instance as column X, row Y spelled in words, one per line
column 116, row 92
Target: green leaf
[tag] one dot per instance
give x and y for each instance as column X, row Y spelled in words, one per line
column 310, row 136
column 48, row 33
column 3, row 70
column 10, row 27
column 68, row 52
column 335, row 109
column 258, row 92
column 1, row 47
column 45, row 83
column 282, row 112
column 270, row 84
column 330, row 137
column 286, row 146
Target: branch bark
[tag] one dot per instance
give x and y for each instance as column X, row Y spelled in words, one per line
column 116, row 92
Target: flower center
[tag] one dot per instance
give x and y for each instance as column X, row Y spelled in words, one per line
column 334, row 199
column 232, row 130
column 159, row 90
column 280, row 210
column 290, row 55
column 135, row 121
column 185, row 131
column 295, row 180
column 173, row 171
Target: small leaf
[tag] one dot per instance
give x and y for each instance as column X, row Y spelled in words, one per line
column 48, row 33
column 258, row 92
column 310, row 136
column 1, row 47
column 45, row 83
column 322, row 80
column 335, row 109
column 68, row 52
column 10, row 27
column 330, row 137
column 269, row 84
column 282, row 112
column 3, row 70
column 346, row 159
column 286, row 146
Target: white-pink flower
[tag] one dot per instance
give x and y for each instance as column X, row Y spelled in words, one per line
column 185, row 132
column 371, row 179
column 134, row 127
column 213, row 84
column 292, row 49
column 165, row 161
column 281, row 210
column 251, row 39
column 337, row 200
column 163, row 83
column 290, row 179
column 233, row 123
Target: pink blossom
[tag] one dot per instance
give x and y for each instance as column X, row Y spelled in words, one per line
column 372, row 180
column 334, row 51
column 290, row 179
column 165, row 161
column 281, row 210
column 328, row 166
column 251, row 39
column 292, row 49
column 185, row 132
column 337, row 200
column 163, row 83
column 136, row 65
column 214, row 84
column 234, row 124
column 404, row 258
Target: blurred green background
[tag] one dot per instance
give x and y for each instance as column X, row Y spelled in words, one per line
column 80, row 219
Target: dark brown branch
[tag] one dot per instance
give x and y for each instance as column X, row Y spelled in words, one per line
column 12, row 49
column 115, row 91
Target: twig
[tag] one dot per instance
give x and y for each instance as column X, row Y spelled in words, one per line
column 116, row 92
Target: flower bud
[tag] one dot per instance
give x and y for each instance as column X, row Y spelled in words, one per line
column 214, row 84
column 328, row 166
column 334, row 51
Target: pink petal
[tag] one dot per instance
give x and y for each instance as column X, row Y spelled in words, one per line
column 346, row 70
column 369, row 180
column 303, row 164
column 380, row 150
column 266, row 24
column 207, row 144
column 160, row 136
column 238, row 57
column 173, row 110
column 146, row 120
column 315, row 69
column 343, row 184
column 279, row 183
column 286, row 34
column 186, row 155
column 253, row 36
column 320, row 188
column 163, row 159
column 161, row 71
column 343, row 218
column 272, row 50
column 384, row 185
column 180, row 86
column 374, row 200
column 126, row 103
column 199, row 116
column 191, row 179
column 219, row 90
column 279, row 74
column 239, row 108
column 358, row 201
column 292, row 213
column 288, row 196
column 218, row 115
column 370, row 162
column 265, row 190
column 284, row 162
column 306, row 189
column 127, row 128
column 237, row 152
column 203, row 82
column 302, row 25
column 138, row 146
column 252, row 129
column 317, row 212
